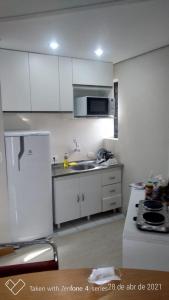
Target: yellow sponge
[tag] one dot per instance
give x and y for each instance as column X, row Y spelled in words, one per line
column 73, row 163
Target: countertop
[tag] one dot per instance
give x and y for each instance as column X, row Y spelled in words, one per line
column 130, row 229
column 58, row 170
column 63, row 284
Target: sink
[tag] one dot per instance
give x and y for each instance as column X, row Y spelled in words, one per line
column 82, row 166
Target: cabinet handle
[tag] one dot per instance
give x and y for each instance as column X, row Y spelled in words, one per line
column 112, row 203
column 83, row 197
column 113, row 177
column 112, row 191
column 78, row 198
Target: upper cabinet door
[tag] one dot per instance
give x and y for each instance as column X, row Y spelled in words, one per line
column 65, row 81
column 14, row 77
column 88, row 72
column 44, row 82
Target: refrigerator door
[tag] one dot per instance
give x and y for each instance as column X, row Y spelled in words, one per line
column 29, row 186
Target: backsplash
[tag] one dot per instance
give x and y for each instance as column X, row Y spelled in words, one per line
column 89, row 133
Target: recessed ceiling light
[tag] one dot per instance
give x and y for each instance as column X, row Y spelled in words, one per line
column 54, row 45
column 24, row 119
column 98, row 52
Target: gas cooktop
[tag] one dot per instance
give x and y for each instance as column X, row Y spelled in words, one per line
column 152, row 216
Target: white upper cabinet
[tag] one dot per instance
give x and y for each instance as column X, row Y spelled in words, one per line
column 88, row 72
column 38, row 82
column 44, row 82
column 14, row 78
column 65, row 82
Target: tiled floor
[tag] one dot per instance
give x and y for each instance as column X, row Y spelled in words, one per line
column 91, row 243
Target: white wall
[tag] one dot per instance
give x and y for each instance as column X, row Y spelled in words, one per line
column 143, row 143
column 4, row 219
column 63, row 127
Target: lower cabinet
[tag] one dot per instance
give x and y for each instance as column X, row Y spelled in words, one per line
column 111, row 189
column 111, row 196
column 66, row 199
column 82, row 195
column 90, row 193
column 76, row 196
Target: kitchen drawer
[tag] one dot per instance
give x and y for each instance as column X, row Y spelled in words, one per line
column 111, row 190
column 111, row 176
column 111, row 203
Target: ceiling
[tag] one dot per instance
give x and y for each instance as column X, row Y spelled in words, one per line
column 123, row 28
column 22, row 8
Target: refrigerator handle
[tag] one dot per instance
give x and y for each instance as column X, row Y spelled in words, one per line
column 20, row 154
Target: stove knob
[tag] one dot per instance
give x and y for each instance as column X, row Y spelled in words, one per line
column 135, row 219
column 137, row 205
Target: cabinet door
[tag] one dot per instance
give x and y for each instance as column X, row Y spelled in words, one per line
column 66, row 199
column 65, row 82
column 14, row 78
column 44, row 81
column 90, row 191
column 88, row 72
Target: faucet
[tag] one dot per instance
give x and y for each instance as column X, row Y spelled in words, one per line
column 77, row 147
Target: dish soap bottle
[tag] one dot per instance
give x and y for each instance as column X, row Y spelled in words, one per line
column 65, row 162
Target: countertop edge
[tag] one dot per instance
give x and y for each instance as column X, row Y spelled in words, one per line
column 68, row 172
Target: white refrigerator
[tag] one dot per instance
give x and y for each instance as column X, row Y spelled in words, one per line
column 29, row 184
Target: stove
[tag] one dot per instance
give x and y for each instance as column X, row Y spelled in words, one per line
column 152, row 216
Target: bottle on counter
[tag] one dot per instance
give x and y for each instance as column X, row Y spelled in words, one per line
column 149, row 191
column 167, row 190
column 163, row 190
column 65, row 162
column 156, row 193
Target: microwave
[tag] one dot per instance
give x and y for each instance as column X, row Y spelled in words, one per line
column 92, row 106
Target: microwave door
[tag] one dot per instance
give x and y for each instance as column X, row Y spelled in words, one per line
column 97, row 106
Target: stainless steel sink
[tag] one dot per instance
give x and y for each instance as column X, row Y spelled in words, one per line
column 83, row 166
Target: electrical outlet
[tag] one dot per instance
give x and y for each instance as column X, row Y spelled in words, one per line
column 54, row 159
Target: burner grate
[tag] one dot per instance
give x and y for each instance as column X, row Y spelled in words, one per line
column 153, row 205
column 153, row 218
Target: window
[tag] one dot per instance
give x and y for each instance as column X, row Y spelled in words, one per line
column 116, row 109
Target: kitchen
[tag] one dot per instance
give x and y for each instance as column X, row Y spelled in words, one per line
column 142, row 144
